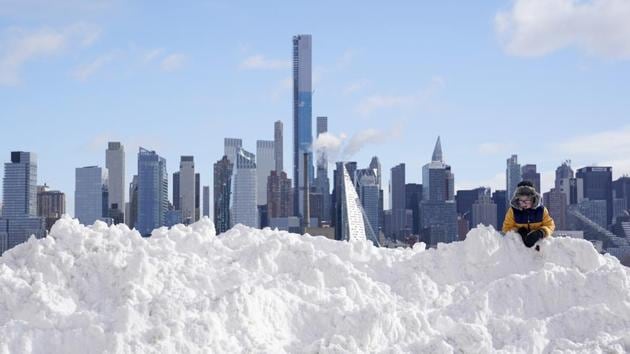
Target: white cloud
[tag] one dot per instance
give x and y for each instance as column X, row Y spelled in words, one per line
column 606, row 143
column 354, row 87
column 21, row 46
column 153, row 54
column 83, row 72
column 282, row 88
column 259, row 62
column 538, row 27
column 373, row 103
column 173, row 62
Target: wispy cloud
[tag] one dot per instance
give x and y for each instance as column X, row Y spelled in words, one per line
column 21, row 46
column 259, row 62
column 173, row 62
column 84, row 72
column 354, row 87
column 373, row 103
column 152, row 54
column 538, row 27
column 605, row 148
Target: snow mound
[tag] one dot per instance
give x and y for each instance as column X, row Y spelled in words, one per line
column 107, row 289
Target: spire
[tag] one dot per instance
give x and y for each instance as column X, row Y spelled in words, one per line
column 437, row 151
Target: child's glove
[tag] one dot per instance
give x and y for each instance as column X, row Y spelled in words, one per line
column 533, row 237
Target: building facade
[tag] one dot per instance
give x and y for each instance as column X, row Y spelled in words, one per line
column 152, row 191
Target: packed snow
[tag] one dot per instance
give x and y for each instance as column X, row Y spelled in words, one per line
column 106, row 289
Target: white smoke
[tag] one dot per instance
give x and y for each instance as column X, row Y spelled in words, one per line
column 333, row 147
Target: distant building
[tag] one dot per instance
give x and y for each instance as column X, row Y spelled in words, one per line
column 222, row 194
column 528, row 173
column 187, row 189
column 484, row 211
column 512, row 177
column 19, row 212
column 90, row 202
column 176, row 195
column 279, row 195
column 206, row 201
column 465, row 200
column 244, row 208
column 265, row 163
column 621, row 188
column 413, row 197
column 132, row 211
column 115, row 164
column 152, row 191
column 438, row 211
column 556, row 204
column 322, row 182
column 498, row 197
column 302, row 117
column 51, row 205
column 397, row 202
column 278, row 145
column 598, row 186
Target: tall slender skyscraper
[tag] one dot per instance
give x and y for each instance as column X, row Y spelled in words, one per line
column 152, row 191
column 206, row 201
column 302, row 117
column 20, row 220
column 115, row 164
column 90, row 183
column 265, row 163
column 197, row 196
column 244, row 208
column 187, row 189
column 222, row 194
column 132, row 211
column 512, row 177
column 322, row 183
column 176, row 194
column 278, row 137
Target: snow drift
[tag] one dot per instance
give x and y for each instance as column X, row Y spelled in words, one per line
column 106, row 289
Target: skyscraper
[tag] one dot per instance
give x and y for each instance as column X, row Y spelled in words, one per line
column 230, row 146
column 152, row 191
column 89, row 199
column 499, row 198
column 484, row 210
column 556, row 203
column 413, row 196
column 368, row 192
column 322, row 182
column 132, row 212
column 278, row 142
column 244, row 208
column 176, row 194
column 528, row 173
column 115, row 164
column 197, row 196
column 398, row 203
column 51, row 205
column 376, row 165
column 187, row 189
column 512, row 177
column 302, row 117
column 279, row 195
column 222, row 194
column 598, row 186
column 438, row 210
column 265, row 163
column 206, row 201
column 19, row 212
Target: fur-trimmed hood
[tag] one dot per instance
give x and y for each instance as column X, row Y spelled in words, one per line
column 526, row 191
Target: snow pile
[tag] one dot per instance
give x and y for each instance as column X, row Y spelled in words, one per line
column 106, row 289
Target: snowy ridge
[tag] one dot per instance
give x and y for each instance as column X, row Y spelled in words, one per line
column 106, row 289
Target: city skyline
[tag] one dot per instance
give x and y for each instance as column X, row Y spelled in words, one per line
column 99, row 85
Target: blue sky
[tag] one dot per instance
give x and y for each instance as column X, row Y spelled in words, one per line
column 545, row 79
